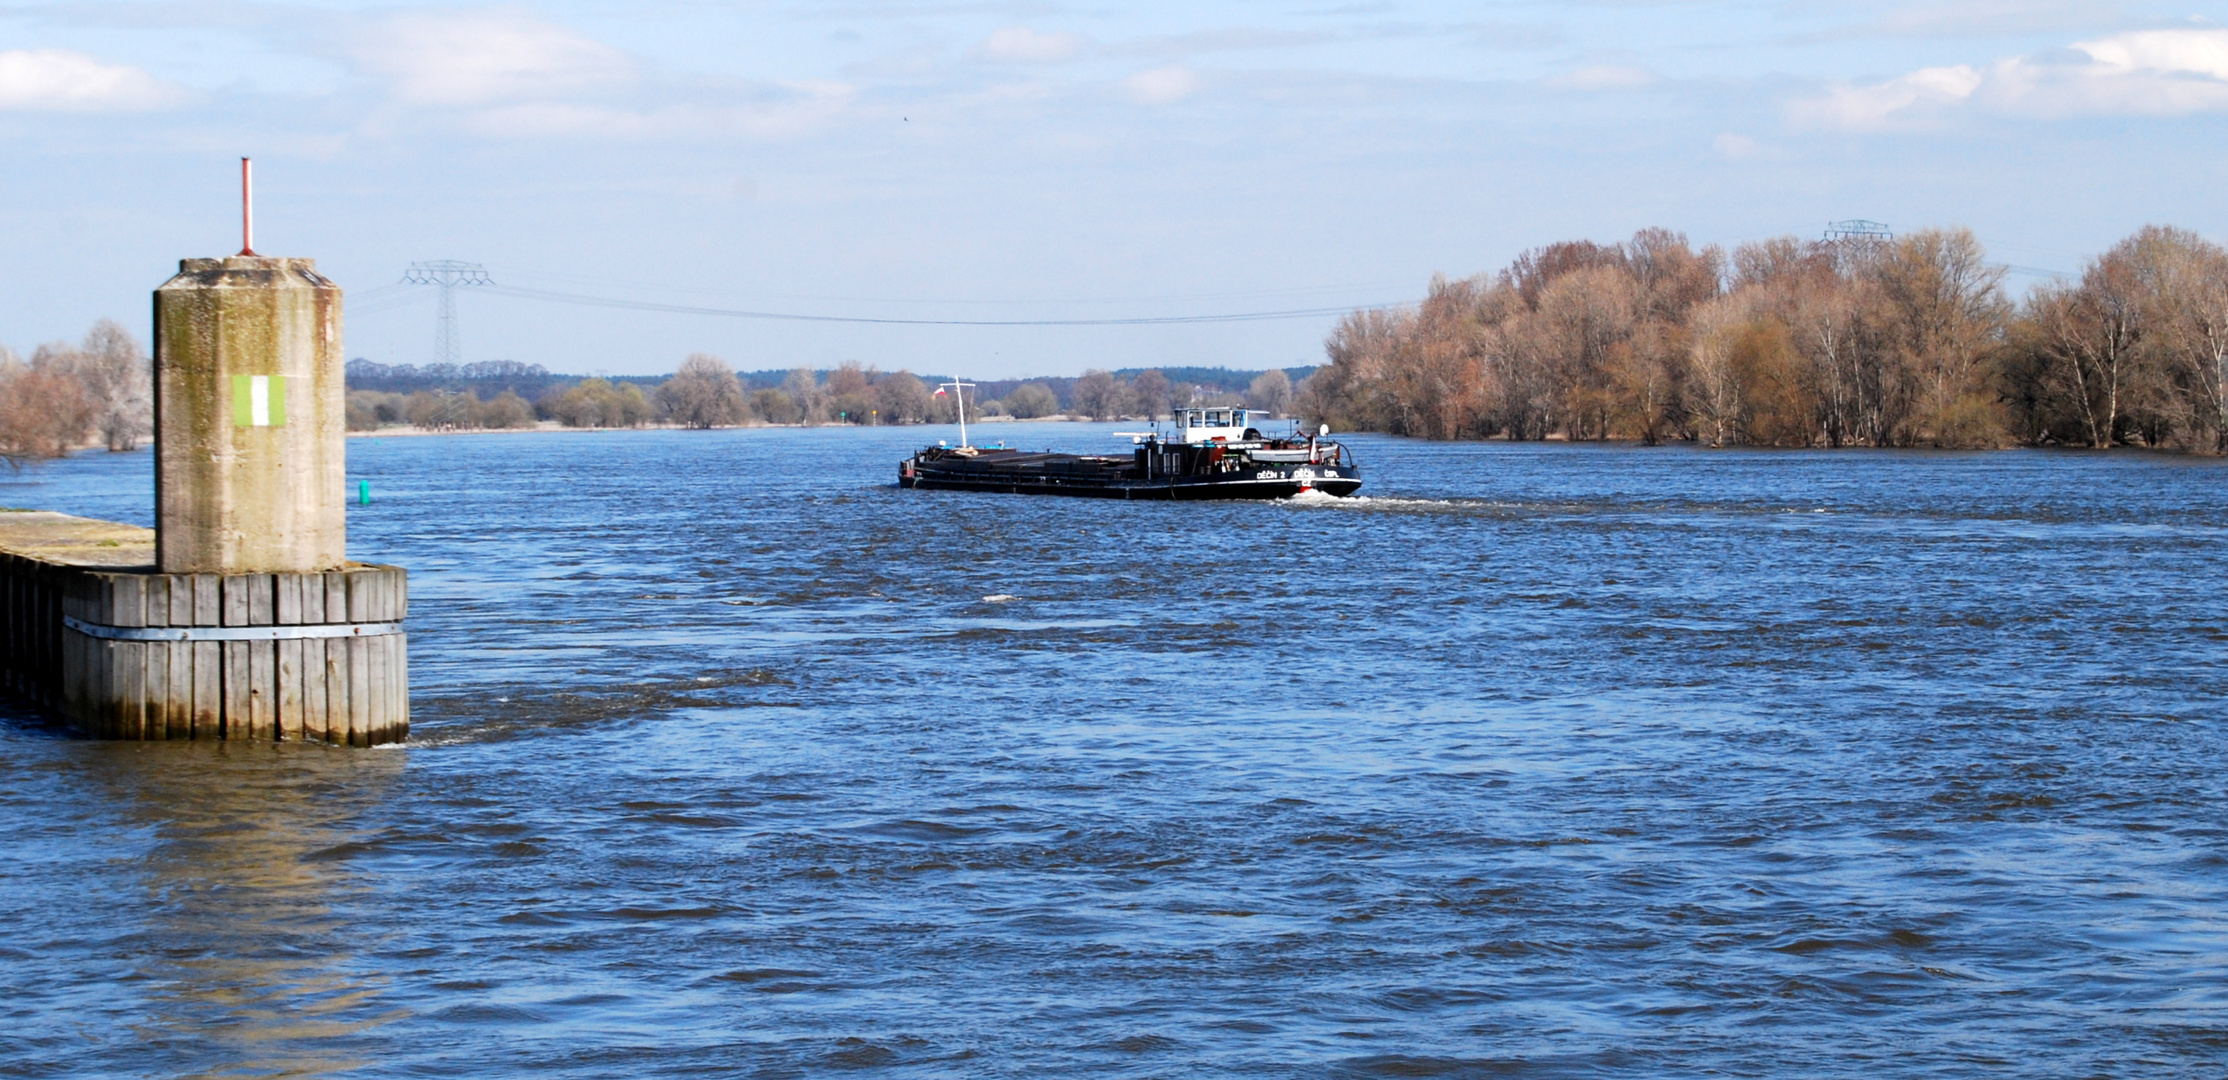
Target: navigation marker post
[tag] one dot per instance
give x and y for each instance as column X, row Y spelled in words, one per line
column 247, row 207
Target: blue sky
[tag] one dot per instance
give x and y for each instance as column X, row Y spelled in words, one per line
column 1031, row 161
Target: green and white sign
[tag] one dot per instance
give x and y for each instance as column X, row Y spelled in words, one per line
column 259, row 401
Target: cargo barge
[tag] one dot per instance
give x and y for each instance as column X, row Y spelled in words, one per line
column 1208, row 454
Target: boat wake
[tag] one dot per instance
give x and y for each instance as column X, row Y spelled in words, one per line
column 1312, row 499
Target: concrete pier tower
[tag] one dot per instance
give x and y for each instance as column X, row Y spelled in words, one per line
column 250, row 419
column 239, row 616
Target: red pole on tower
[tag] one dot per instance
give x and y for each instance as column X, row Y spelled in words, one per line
column 247, row 209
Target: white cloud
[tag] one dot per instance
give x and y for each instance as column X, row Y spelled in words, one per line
column 61, row 80
column 1161, row 86
column 1885, row 103
column 2148, row 72
column 1019, row 44
column 480, row 57
column 2182, row 52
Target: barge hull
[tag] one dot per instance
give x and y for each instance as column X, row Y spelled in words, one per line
column 1278, row 485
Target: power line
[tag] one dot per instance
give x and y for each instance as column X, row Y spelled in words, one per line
column 736, row 313
column 529, row 277
column 383, row 304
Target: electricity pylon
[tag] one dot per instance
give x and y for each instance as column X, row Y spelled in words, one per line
column 1857, row 242
column 1858, row 231
column 448, row 274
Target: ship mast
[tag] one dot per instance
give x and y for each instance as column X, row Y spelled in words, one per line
column 959, row 398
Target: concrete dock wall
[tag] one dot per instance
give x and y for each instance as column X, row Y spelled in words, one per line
column 94, row 635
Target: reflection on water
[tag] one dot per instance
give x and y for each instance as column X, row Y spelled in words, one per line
column 730, row 758
column 202, row 916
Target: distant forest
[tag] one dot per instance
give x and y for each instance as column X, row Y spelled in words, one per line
column 1857, row 341
column 705, row 393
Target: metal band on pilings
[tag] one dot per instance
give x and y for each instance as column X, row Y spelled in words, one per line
column 229, row 633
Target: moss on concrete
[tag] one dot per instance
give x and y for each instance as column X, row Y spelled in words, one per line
column 234, row 499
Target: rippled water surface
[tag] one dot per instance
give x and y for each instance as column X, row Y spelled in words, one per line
column 729, row 758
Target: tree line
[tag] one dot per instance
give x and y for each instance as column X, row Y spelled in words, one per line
column 858, row 394
column 705, row 392
column 66, row 395
column 1910, row 341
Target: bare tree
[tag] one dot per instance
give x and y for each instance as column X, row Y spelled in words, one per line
column 1772, row 261
column 802, row 388
column 2089, row 334
column 1946, row 315
column 1032, row 400
column 599, row 403
column 848, row 393
column 1716, row 400
column 1347, row 393
column 2187, row 277
column 1519, row 367
column 776, row 407
column 1645, row 379
column 45, row 411
column 1672, row 276
column 1097, row 395
column 1270, row 392
column 903, row 397
column 703, row 393
column 442, row 410
column 1822, row 312
column 1149, row 393
column 1436, row 382
column 849, row 379
column 118, row 375
column 1585, row 317
column 1534, row 270
column 505, row 411
column 368, row 409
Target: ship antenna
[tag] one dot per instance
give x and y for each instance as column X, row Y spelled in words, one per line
column 959, row 398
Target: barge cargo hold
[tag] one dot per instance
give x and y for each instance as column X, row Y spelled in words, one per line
column 1211, row 454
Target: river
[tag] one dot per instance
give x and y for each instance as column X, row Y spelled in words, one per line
column 730, row 758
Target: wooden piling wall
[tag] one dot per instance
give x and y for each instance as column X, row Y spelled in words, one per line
column 125, row 653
